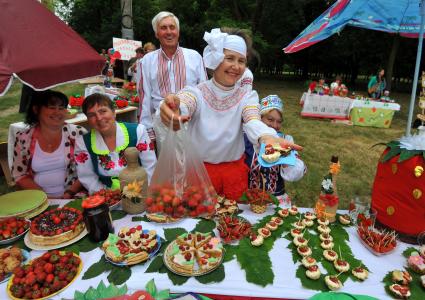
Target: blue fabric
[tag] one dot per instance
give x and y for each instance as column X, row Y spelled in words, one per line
column 395, row 16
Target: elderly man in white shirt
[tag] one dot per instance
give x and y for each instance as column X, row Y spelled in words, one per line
column 166, row 70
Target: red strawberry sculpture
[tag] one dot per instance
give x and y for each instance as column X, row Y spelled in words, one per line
column 76, row 101
column 194, row 201
column 45, row 275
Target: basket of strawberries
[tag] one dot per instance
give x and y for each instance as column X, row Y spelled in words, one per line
column 258, row 200
column 233, row 228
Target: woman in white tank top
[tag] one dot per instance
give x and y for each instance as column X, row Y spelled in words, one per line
column 43, row 155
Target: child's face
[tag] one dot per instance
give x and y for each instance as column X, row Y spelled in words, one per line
column 273, row 119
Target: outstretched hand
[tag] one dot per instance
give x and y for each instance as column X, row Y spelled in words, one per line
column 170, row 112
column 281, row 141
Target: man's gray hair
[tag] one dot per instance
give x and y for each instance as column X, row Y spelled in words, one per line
column 161, row 15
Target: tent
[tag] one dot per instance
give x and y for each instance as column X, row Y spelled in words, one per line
column 405, row 17
column 40, row 49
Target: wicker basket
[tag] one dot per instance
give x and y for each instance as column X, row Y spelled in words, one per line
column 258, row 208
column 133, row 208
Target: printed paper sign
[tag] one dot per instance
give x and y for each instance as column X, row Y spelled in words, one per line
column 127, row 48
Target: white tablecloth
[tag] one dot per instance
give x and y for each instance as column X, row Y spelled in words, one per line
column 285, row 283
column 128, row 114
column 375, row 104
column 325, row 106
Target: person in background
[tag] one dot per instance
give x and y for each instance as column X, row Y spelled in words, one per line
column 377, row 84
column 100, row 153
column 149, row 47
column 271, row 110
column 318, row 87
column 43, row 154
column 218, row 112
column 132, row 64
column 166, row 70
column 336, row 85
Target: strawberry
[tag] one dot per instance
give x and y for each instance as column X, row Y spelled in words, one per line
column 36, row 294
column 41, row 277
column 6, row 233
column 176, row 202
column 48, row 268
column 54, row 258
column 19, row 272
column 62, row 275
column 45, row 292
column 46, row 256
column 30, row 279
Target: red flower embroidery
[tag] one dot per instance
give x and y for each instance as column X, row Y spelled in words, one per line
column 110, row 165
column 151, row 146
column 142, row 147
column 81, row 157
column 122, row 161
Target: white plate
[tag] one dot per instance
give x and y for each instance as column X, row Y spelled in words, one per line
column 30, row 245
column 26, row 256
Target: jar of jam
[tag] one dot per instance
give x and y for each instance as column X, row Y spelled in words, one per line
column 97, row 218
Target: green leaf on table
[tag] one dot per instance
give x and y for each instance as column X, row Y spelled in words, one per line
column 140, row 219
column 118, row 214
column 97, row 268
column 52, row 206
column 163, row 295
column 408, row 252
column 204, row 226
column 78, row 296
column 229, row 252
column 101, row 287
column 256, row 263
column 155, row 265
column 177, row 279
column 151, row 287
column 87, row 245
column 119, row 275
column 215, row 276
column 317, row 285
column 71, row 248
column 91, row 294
column 171, row 234
column 75, row 204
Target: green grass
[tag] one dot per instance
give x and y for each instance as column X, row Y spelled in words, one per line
column 321, row 139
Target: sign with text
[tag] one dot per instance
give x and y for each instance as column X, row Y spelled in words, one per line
column 127, row 48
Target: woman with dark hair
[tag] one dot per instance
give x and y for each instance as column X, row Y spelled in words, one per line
column 377, row 84
column 100, row 153
column 43, row 156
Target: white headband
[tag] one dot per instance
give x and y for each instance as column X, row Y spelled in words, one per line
column 217, row 41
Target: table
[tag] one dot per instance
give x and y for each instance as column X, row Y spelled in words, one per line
column 325, row 106
column 99, row 80
column 128, row 114
column 285, row 283
column 373, row 113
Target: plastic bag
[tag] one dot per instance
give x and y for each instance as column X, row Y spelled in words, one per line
column 180, row 185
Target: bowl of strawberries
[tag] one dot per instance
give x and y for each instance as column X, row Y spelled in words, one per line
column 11, row 229
column 45, row 276
column 233, row 228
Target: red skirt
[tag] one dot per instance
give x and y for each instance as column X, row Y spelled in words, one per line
column 230, row 179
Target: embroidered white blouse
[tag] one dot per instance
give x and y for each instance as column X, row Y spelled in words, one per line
column 161, row 76
column 218, row 119
column 110, row 163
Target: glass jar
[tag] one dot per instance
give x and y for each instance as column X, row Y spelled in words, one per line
column 97, row 218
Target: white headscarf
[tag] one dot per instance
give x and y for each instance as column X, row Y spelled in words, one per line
column 218, row 41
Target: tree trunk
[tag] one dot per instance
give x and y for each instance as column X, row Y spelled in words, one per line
column 391, row 59
column 259, row 4
column 236, row 10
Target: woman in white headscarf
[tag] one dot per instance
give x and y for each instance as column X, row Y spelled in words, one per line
column 219, row 111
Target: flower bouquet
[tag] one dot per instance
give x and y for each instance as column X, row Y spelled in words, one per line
column 327, row 204
column 133, row 200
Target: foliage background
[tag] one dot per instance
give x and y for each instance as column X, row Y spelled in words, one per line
column 354, row 53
